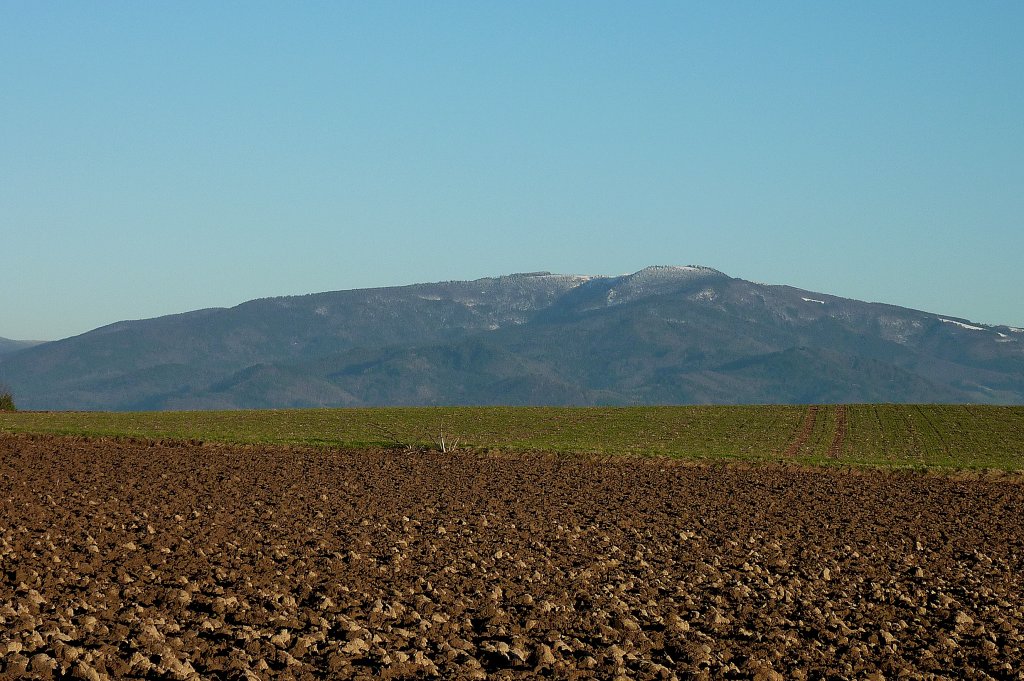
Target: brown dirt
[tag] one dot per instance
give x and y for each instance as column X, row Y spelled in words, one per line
column 835, row 449
column 136, row 560
column 806, row 428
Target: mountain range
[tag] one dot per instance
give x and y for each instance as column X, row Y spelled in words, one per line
column 663, row 335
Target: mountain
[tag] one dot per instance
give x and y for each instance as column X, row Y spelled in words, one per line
column 7, row 346
column 661, row 335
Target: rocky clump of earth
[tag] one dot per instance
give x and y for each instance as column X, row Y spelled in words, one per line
column 149, row 560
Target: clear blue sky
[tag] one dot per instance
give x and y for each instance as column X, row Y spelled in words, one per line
column 158, row 157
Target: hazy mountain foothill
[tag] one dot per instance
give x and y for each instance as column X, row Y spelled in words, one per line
column 663, row 335
column 8, row 346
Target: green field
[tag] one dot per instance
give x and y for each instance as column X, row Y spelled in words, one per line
column 944, row 436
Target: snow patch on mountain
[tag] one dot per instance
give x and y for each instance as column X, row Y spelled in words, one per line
column 812, row 300
column 708, row 294
column 961, row 324
column 898, row 329
column 657, row 280
column 673, row 272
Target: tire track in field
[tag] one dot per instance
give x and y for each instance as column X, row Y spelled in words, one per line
column 804, row 433
column 835, row 449
column 882, row 438
column 936, row 432
column 916, row 450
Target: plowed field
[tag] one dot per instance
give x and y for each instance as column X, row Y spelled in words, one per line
column 144, row 560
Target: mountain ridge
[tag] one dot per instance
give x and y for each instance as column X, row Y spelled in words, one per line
column 8, row 345
column 663, row 334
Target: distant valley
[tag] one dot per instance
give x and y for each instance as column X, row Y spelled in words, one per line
column 663, row 335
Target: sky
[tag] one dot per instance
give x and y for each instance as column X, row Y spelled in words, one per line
column 160, row 157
